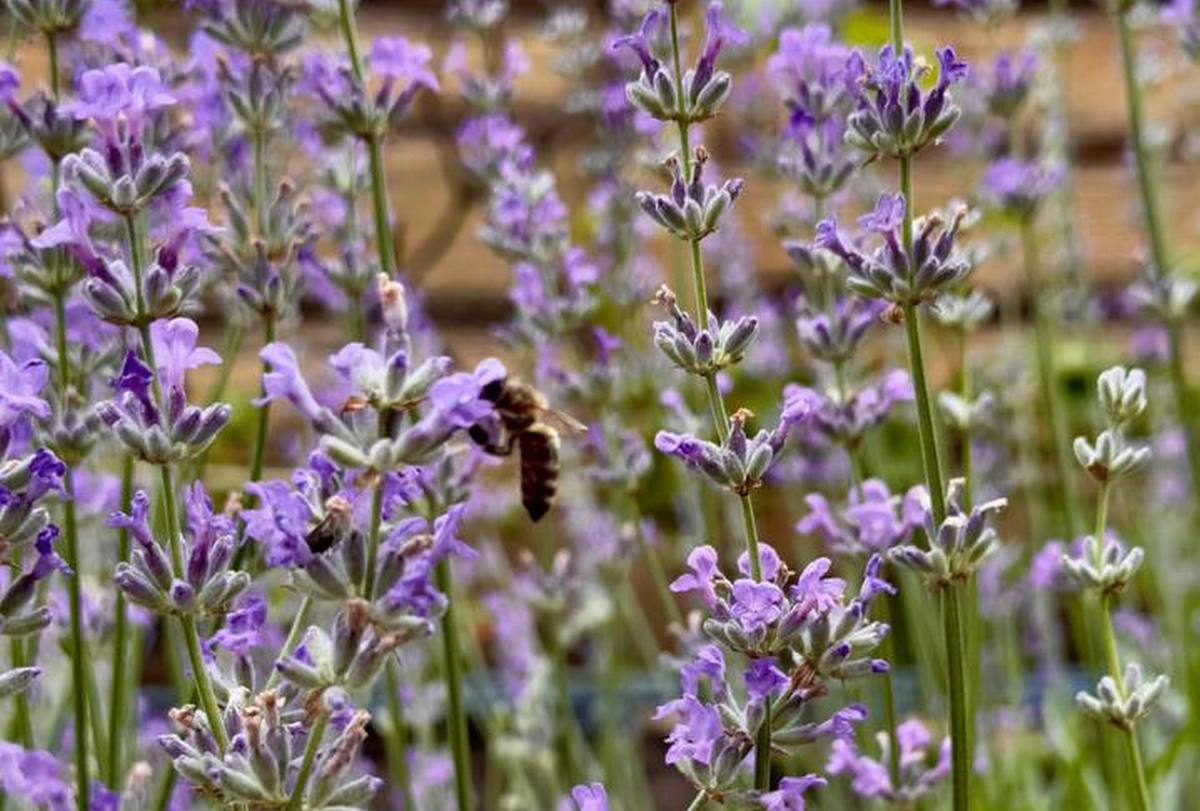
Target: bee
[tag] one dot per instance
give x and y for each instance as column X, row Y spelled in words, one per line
column 525, row 417
column 332, row 528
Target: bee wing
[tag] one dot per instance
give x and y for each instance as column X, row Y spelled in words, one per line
column 563, row 421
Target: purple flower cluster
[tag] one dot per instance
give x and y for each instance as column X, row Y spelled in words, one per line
column 872, row 521
column 891, row 271
column 870, row 777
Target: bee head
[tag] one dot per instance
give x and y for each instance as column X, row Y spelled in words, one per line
column 492, row 391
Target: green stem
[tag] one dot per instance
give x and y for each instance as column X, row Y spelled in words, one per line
column 565, row 717
column 70, row 528
column 203, row 683
column 399, row 735
column 22, row 724
column 52, row 54
column 166, row 788
column 191, row 636
column 1043, row 339
column 929, row 451
column 379, row 206
column 311, row 748
column 383, row 229
column 1140, row 788
column 896, row 25
column 889, row 691
column 79, row 692
column 350, row 33
column 762, row 771
column 960, row 732
column 697, row 803
column 1141, row 155
column 1183, row 406
column 119, row 688
column 368, row 584
column 762, row 752
column 264, row 413
column 293, row 636
column 964, row 379
column 456, row 716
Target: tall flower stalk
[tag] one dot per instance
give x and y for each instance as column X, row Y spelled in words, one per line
column 896, row 117
column 691, row 104
column 373, row 139
column 1164, row 293
column 1104, row 567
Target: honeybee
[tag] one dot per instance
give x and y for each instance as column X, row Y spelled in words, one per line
column 525, row 417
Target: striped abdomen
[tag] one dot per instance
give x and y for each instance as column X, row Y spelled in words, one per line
column 539, row 469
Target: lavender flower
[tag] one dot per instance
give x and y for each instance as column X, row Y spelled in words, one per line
column 1018, row 187
column 847, row 421
column 703, row 88
column 873, row 521
column 175, row 431
column 894, row 115
column 20, row 384
column 834, row 336
column 1123, row 705
column 918, row 775
column 890, row 272
column 740, row 463
column 959, row 546
column 399, row 69
column 1005, row 83
column 693, row 209
column 1182, row 14
column 701, row 352
column 206, row 586
column 590, row 797
column 713, row 731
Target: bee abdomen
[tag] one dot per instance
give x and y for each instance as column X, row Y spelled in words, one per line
column 539, row 469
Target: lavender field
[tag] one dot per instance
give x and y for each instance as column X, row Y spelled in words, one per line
column 607, row 405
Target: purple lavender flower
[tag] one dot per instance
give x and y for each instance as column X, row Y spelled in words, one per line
column 874, row 520
column 36, row 777
column 789, row 796
column 457, row 398
column 590, row 797
column 741, row 462
column 696, row 732
column 755, row 605
column 397, row 59
column 1018, row 187
column 703, row 88
column 764, row 678
column 834, row 336
column 816, row 592
column 703, row 562
column 895, row 115
column 286, row 381
column 20, row 384
column 120, row 92
column 1004, row 84
column 917, row 773
column 1183, row 16
column 848, row 422
column 887, row 273
column 175, row 350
